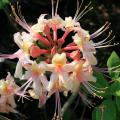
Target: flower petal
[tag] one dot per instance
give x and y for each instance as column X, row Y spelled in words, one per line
column 19, row 70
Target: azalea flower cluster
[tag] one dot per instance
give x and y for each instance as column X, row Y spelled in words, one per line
column 7, row 90
column 52, row 64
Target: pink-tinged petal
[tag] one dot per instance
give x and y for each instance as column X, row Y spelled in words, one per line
column 63, row 76
column 70, row 67
column 25, row 59
column 32, row 94
column 27, row 75
column 2, row 99
column 41, row 18
column 7, row 105
column 2, row 59
column 50, row 67
column 18, row 70
column 89, row 76
column 40, row 26
column 11, row 101
column 53, row 78
column 9, row 79
column 44, row 81
column 17, row 54
column 18, row 39
column 42, row 65
column 90, row 58
column 37, row 86
column 42, row 99
column 75, row 55
column 72, row 84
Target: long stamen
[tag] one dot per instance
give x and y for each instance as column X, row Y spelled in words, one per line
column 103, row 41
column 22, row 96
column 78, row 18
column 95, row 89
column 78, row 8
column 85, row 11
column 100, row 31
column 114, row 67
column 26, row 85
column 59, row 106
column 52, row 8
column 56, row 7
column 107, row 70
column 57, row 115
column 84, row 99
column 20, row 20
column 104, row 46
column 92, row 91
column 20, row 14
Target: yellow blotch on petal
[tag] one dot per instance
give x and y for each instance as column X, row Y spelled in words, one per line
column 87, row 36
column 26, row 47
column 59, row 59
column 32, row 94
column 79, row 67
column 36, row 69
column 3, row 86
column 79, row 42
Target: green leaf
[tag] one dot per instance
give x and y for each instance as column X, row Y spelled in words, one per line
column 100, row 80
column 101, row 83
column 106, row 111
column 3, row 118
column 114, row 89
column 117, row 99
column 68, row 115
column 113, row 61
column 3, row 3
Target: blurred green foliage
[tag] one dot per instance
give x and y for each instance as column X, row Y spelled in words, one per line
column 3, row 3
column 110, row 107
